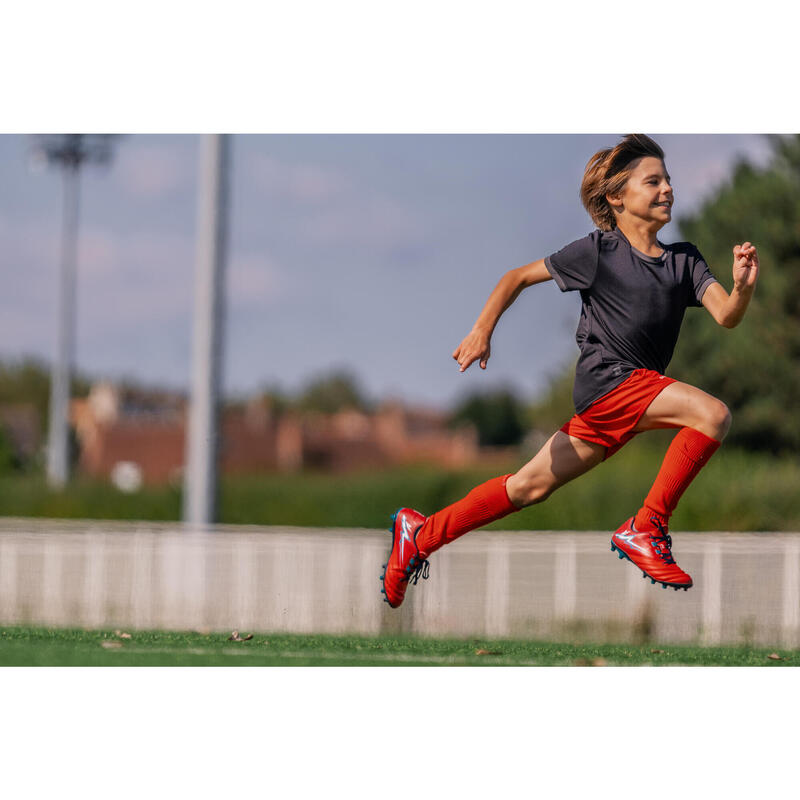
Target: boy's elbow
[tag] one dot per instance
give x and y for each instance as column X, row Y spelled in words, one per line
column 730, row 321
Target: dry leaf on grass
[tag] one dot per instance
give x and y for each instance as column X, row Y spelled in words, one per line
column 122, row 635
column 488, row 653
column 589, row 662
column 111, row 645
column 656, row 651
column 776, row 657
column 234, row 637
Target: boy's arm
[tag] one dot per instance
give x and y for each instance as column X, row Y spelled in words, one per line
column 477, row 344
column 728, row 309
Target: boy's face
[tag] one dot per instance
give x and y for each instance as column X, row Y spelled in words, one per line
column 648, row 194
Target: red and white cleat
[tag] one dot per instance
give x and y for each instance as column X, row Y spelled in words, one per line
column 651, row 551
column 404, row 558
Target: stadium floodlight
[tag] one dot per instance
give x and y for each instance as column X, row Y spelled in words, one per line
column 69, row 151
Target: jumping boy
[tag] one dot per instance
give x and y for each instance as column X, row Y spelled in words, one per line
column 634, row 291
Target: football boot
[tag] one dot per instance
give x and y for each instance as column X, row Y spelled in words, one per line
column 404, row 563
column 651, row 552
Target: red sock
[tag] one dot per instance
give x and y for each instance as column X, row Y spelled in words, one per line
column 686, row 456
column 484, row 504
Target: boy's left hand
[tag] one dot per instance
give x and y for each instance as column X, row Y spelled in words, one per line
column 745, row 266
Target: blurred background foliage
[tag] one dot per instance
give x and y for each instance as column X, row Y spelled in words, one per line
column 754, row 368
column 498, row 416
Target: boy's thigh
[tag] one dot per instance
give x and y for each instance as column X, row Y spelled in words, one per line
column 681, row 405
column 560, row 460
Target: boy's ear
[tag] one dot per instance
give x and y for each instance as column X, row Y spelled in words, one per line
column 615, row 201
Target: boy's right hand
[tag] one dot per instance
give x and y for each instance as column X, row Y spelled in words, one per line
column 476, row 346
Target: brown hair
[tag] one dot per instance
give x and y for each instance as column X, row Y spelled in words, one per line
column 607, row 173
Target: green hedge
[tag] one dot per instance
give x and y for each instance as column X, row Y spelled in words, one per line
column 737, row 491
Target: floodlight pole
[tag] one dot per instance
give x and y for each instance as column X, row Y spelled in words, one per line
column 58, row 444
column 68, row 151
column 202, row 435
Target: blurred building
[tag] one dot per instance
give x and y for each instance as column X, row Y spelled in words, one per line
column 134, row 436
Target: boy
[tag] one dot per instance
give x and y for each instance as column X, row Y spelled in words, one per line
column 634, row 291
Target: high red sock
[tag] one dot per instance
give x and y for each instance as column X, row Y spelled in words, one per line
column 686, row 456
column 484, row 504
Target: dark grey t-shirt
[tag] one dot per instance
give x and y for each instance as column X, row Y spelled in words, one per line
column 633, row 306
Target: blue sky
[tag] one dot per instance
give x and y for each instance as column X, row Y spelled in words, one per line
column 373, row 253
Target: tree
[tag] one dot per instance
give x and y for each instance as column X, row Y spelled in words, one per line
column 755, row 368
column 553, row 407
column 27, row 381
column 331, row 393
column 498, row 417
column 9, row 461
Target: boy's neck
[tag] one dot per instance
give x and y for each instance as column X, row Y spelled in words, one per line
column 643, row 237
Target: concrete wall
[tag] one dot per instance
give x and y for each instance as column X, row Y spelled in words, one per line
column 532, row 584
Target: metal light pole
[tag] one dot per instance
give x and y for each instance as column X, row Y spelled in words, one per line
column 202, row 439
column 68, row 151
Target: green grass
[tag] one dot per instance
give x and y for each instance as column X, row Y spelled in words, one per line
column 29, row 647
column 737, row 491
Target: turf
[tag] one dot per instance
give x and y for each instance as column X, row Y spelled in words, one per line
column 29, row 647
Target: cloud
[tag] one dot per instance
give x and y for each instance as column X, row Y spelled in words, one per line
column 150, row 171
column 306, row 183
column 331, row 207
column 138, row 278
column 253, row 280
column 98, row 253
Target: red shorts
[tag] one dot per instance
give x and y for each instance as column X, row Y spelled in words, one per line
column 610, row 420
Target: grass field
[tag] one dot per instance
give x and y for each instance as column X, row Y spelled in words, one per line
column 29, row 647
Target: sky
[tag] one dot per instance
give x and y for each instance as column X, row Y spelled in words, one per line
column 369, row 253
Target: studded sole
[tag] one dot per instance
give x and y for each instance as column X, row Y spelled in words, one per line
column 385, row 566
column 664, row 584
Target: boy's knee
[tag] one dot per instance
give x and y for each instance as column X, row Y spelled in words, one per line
column 720, row 419
column 523, row 493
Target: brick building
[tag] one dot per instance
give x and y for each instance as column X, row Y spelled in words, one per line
column 145, row 432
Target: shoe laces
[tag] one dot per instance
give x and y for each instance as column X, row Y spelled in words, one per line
column 662, row 544
column 422, row 570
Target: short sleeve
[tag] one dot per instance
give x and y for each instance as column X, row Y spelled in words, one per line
column 574, row 266
column 700, row 274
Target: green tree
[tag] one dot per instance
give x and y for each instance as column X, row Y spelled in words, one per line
column 498, row 417
column 9, row 462
column 28, row 381
column 333, row 392
column 553, row 407
column 754, row 368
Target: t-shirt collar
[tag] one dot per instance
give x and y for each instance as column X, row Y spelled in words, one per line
column 654, row 259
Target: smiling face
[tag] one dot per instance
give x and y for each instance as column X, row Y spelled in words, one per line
column 647, row 196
